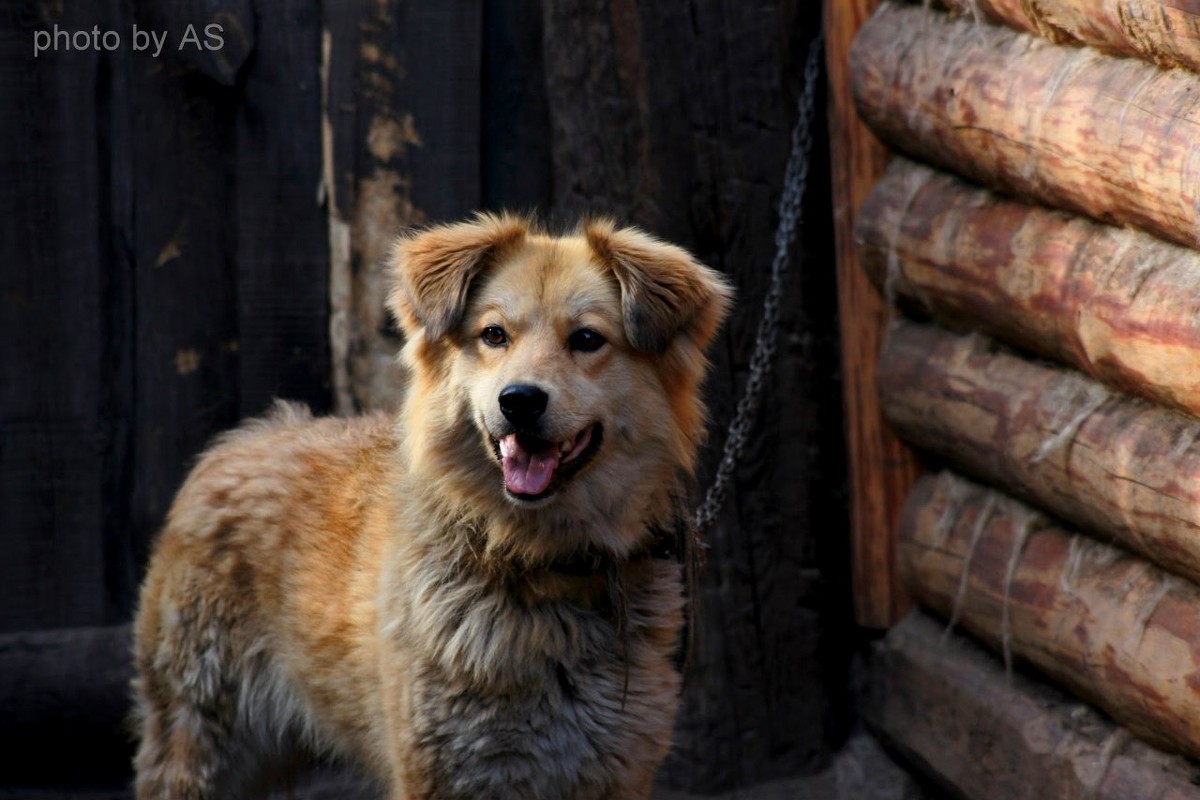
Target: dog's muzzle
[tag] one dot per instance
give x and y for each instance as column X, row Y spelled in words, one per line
column 536, row 464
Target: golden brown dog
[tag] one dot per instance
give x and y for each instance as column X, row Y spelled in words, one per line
column 472, row 598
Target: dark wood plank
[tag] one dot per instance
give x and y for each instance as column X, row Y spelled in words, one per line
column 402, row 109
column 65, row 691
column 121, row 539
column 515, row 118
column 185, row 284
column 683, row 128
column 282, row 250
column 55, row 240
column 594, row 141
column 444, row 97
column 213, row 37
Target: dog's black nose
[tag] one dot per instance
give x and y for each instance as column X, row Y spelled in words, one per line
column 522, row 404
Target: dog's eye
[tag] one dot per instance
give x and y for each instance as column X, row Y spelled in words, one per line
column 494, row 336
column 585, row 340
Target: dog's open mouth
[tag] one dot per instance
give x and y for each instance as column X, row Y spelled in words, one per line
column 535, row 468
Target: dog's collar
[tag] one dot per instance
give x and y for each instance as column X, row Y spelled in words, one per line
column 583, row 565
column 659, row 544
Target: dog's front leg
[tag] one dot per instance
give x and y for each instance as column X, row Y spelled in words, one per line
column 179, row 756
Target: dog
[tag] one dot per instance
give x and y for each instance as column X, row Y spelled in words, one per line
column 477, row 597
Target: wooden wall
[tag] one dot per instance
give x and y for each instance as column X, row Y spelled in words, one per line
column 164, row 275
column 188, row 236
column 1037, row 232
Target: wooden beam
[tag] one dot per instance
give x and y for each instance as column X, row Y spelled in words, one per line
column 1115, row 466
column 400, row 124
column 1069, row 127
column 1165, row 33
column 946, row 704
column 1119, row 304
column 1115, row 630
column 881, row 468
column 66, row 688
column 281, row 246
column 65, row 340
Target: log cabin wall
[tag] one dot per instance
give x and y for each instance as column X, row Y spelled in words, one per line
column 187, row 236
column 1037, row 232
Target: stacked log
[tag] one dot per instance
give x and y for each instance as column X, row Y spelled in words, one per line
column 1116, row 303
column 1164, row 33
column 1116, row 466
column 1057, row 364
column 1096, row 619
column 944, row 702
column 1113, row 139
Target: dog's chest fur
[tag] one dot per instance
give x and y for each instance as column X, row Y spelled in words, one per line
column 514, row 694
column 554, row 738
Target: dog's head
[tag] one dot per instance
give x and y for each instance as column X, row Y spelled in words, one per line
column 557, row 376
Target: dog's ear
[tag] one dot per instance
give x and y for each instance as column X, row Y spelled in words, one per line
column 432, row 269
column 665, row 292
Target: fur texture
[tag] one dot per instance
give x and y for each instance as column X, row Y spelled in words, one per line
column 467, row 598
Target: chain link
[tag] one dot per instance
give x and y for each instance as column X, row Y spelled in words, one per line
column 795, row 181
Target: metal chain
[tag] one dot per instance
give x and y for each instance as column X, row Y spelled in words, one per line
column 795, row 181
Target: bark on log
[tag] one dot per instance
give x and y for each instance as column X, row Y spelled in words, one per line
column 1116, row 466
column 1068, row 127
column 1165, row 33
column 1116, row 303
column 882, row 468
column 1117, row 631
column 945, row 702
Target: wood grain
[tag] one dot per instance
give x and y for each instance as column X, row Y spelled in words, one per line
column 1114, row 302
column 1068, row 127
column 1117, row 631
column 1165, row 33
column 881, row 467
column 232, row 23
column 65, row 339
column 401, row 147
column 947, row 704
column 514, row 117
column 183, row 307
column 281, row 243
column 1115, row 466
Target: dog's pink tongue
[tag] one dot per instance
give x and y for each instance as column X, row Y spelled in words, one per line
column 526, row 472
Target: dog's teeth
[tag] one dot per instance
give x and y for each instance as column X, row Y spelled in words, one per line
column 577, row 445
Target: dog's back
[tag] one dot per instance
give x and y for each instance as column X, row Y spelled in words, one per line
column 254, row 620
